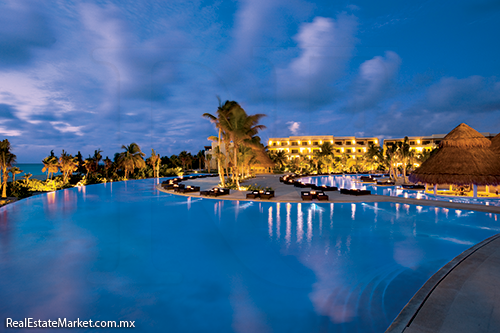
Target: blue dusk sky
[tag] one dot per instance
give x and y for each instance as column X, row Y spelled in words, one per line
column 83, row 75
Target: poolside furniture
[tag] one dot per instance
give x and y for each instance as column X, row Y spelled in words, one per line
column 359, row 192
column 321, row 196
column 188, row 189
column 413, row 187
column 216, row 191
column 386, row 182
column 367, row 179
column 325, row 188
column 204, row 193
column 178, row 187
column 344, row 191
column 253, row 195
column 267, row 195
column 306, row 195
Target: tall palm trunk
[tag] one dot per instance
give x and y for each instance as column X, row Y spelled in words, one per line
column 235, row 165
column 5, row 176
column 220, row 168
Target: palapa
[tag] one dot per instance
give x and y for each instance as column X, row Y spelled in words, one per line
column 464, row 157
column 495, row 144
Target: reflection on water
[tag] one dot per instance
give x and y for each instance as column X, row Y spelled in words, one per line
column 353, row 182
column 128, row 251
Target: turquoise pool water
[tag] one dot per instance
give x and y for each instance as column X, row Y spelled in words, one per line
column 124, row 251
column 352, row 182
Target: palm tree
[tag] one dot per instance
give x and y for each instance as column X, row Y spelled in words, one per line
column 89, row 165
column 155, row 162
column 130, row 159
column 240, row 129
column 201, row 159
column 7, row 159
column 208, row 160
column 26, row 178
column 390, row 160
column 97, row 158
column 373, row 156
column 326, row 149
column 14, row 171
column 403, row 155
column 108, row 163
column 184, row 158
column 50, row 165
column 68, row 165
column 222, row 114
column 278, row 157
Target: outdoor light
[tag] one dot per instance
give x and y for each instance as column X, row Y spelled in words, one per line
column 353, row 142
column 320, row 142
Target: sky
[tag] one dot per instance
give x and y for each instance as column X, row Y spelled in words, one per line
column 87, row 75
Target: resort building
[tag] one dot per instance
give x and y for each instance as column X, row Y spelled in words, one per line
column 423, row 143
column 296, row 146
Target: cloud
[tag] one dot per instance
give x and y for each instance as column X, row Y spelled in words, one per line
column 473, row 94
column 24, row 30
column 374, row 81
column 326, row 45
column 294, row 127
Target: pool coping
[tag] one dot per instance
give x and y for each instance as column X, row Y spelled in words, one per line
column 417, row 302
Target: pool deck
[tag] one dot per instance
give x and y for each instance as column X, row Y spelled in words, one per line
column 463, row 296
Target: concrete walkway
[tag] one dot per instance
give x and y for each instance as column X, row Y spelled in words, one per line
column 290, row 193
column 463, row 296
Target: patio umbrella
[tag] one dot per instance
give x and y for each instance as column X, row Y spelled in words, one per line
column 464, row 157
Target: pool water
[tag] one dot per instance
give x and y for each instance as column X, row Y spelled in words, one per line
column 352, row 182
column 124, row 251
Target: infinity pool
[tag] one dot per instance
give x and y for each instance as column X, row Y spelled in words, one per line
column 352, row 182
column 124, row 251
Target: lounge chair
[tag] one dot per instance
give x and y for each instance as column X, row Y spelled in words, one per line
column 178, row 187
column 325, row 188
column 321, row 196
column 367, row 179
column 386, row 182
column 267, row 195
column 344, row 191
column 306, row 195
column 188, row 189
column 360, row 192
column 253, row 195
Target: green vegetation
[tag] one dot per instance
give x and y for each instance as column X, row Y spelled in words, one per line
column 76, row 171
column 396, row 159
column 237, row 134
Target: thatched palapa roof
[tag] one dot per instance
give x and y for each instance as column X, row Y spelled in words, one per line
column 495, row 144
column 464, row 157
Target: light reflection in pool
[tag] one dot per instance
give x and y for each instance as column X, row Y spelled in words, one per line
column 125, row 251
column 352, row 182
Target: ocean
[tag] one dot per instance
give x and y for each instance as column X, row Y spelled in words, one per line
column 34, row 168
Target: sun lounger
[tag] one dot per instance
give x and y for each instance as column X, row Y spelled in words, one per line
column 306, row 195
column 344, row 191
column 253, row 195
column 324, row 188
column 321, row 196
column 267, row 195
column 360, row 192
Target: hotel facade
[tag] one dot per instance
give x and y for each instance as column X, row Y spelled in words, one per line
column 296, row 146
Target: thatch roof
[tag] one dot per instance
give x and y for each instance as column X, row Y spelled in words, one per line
column 464, row 157
column 495, row 144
